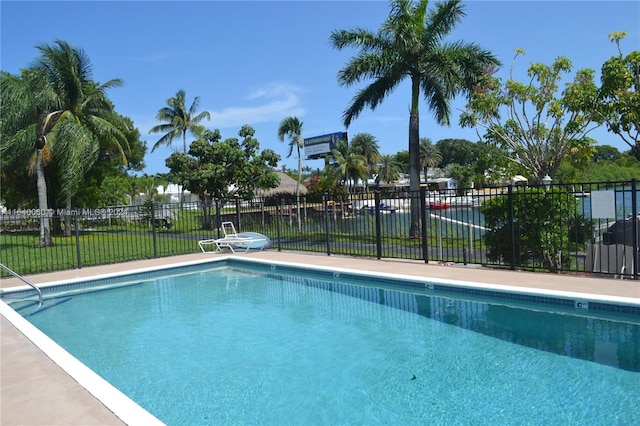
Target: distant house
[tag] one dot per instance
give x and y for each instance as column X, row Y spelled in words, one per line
column 444, row 184
column 519, row 180
column 170, row 193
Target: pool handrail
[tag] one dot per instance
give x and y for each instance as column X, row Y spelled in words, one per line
column 23, row 279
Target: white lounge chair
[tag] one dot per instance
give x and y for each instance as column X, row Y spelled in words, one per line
column 233, row 241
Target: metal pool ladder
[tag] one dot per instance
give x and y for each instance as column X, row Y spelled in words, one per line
column 24, row 280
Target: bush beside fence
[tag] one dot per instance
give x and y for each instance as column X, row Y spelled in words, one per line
column 579, row 228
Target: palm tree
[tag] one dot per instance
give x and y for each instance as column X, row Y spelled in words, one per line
column 23, row 123
column 177, row 121
column 83, row 117
column 348, row 165
column 365, row 144
column 388, row 170
column 430, row 156
column 410, row 45
column 291, row 127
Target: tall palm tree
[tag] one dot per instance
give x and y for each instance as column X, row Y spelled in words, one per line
column 430, row 156
column 23, row 123
column 83, row 117
column 410, row 44
column 178, row 120
column 365, row 144
column 291, row 127
column 67, row 115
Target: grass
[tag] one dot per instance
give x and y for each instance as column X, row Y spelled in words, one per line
column 21, row 252
column 103, row 242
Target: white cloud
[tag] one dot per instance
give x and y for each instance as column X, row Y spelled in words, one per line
column 385, row 118
column 267, row 104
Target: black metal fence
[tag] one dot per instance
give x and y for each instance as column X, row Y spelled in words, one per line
column 590, row 228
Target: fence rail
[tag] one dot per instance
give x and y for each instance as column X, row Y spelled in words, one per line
column 588, row 228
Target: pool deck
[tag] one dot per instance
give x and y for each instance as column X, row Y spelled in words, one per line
column 36, row 391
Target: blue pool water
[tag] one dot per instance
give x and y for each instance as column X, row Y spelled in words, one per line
column 240, row 346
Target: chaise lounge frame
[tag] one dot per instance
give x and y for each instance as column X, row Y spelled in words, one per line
column 231, row 240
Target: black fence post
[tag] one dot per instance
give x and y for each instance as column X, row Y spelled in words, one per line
column 423, row 217
column 239, row 229
column 78, row 256
column 634, row 227
column 153, row 230
column 378, row 226
column 325, row 206
column 512, row 226
column 218, row 219
column 278, row 217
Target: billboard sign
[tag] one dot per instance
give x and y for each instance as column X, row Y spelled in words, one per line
column 320, row 146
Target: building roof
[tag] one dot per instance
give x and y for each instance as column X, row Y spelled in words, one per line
column 287, row 186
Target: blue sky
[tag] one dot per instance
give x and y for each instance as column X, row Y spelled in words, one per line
column 257, row 62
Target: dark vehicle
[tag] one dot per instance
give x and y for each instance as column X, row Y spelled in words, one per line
column 621, row 232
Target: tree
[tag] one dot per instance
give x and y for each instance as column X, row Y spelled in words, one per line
column 388, row 170
column 26, row 100
column 365, row 144
column 83, row 119
column 291, row 127
column 618, row 101
column 429, row 156
column 68, row 115
column 624, row 168
column 224, row 169
column 490, row 164
column 345, row 165
column 402, row 157
column 410, row 45
column 114, row 190
column 110, row 166
column 606, row 153
column 178, row 120
column 540, row 128
column 457, row 151
column 463, row 176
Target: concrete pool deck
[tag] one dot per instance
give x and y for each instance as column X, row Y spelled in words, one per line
column 36, row 391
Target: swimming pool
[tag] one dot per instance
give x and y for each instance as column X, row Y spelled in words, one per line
column 274, row 345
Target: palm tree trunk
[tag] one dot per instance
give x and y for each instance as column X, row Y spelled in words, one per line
column 45, row 230
column 414, row 176
column 67, row 218
column 184, row 141
column 414, row 160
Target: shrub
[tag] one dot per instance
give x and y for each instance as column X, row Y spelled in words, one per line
column 541, row 221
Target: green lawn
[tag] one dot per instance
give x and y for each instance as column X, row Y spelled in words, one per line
column 20, row 250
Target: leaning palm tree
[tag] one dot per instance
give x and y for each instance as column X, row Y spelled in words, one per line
column 410, row 45
column 83, row 118
column 291, row 127
column 178, row 120
column 430, row 156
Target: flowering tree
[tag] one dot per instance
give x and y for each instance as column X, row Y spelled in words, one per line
column 618, row 100
column 536, row 126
